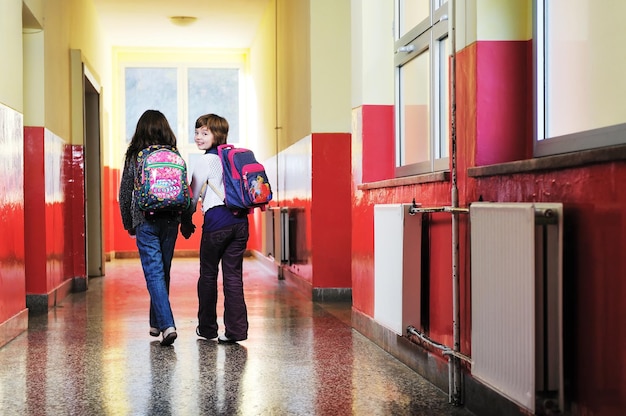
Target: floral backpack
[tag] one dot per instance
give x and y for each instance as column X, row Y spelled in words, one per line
column 161, row 183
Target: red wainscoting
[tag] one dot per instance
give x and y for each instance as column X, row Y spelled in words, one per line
column 593, row 273
column 503, row 93
column 34, row 210
column 373, row 159
column 75, row 244
column 117, row 241
column 12, row 255
column 331, row 210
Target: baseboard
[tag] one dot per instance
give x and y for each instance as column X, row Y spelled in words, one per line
column 13, row 327
column 40, row 303
column 332, row 294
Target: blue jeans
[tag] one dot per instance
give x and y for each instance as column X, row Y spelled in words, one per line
column 155, row 241
column 227, row 245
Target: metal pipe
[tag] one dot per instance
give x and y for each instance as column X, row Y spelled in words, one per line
column 456, row 316
column 454, row 210
column 458, row 355
column 445, row 351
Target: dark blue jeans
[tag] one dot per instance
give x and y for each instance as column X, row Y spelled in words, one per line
column 155, row 241
column 227, row 245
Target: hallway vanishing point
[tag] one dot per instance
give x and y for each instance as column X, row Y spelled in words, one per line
column 92, row 355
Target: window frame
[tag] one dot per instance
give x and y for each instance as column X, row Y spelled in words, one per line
column 186, row 147
column 567, row 143
column 427, row 36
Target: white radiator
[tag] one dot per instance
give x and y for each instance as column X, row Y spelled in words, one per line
column 516, row 284
column 397, row 267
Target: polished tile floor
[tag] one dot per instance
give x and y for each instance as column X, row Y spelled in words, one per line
column 92, row 355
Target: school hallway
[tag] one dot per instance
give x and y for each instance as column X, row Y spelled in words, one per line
column 92, row 355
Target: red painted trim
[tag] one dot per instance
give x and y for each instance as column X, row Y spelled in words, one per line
column 503, row 91
column 34, row 209
column 378, row 142
column 331, row 210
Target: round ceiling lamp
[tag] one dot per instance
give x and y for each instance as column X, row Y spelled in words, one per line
column 183, row 20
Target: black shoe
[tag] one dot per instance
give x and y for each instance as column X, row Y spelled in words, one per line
column 202, row 335
column 169, row 335
column 223, row 339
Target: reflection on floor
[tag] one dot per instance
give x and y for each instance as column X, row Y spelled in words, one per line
column 92, row 355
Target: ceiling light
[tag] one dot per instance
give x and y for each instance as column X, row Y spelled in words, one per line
column 183, row 20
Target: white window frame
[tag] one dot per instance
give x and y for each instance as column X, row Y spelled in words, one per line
column 577, row 141
column 429, row 36
column 182, row 130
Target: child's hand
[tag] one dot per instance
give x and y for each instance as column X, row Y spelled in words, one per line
column 186, row 229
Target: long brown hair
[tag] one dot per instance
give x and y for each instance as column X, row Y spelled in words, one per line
column 152, row 128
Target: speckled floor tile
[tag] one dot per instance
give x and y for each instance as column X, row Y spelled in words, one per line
column 92, row 355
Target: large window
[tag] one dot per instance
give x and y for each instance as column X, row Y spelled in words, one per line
column 182, row 93
column 580, row 88
column 421, row 59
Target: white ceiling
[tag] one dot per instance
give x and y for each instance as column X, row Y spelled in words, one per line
column 146, row 23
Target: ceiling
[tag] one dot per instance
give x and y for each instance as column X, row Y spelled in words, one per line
column 146, row 23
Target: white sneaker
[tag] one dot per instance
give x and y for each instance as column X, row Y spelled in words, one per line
column 169, row 335
column 223, row 339
column 154, row 332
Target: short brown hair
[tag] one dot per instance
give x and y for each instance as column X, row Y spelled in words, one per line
column 216, row 125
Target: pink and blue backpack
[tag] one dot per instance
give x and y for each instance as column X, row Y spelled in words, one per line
column 246, row 185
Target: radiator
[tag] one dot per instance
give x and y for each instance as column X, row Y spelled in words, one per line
column 268, row 227
column 280, row 240
column 397, row 267
column 516, row 293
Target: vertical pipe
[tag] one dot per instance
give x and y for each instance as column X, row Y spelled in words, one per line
column 456, row 393
column 276, row 106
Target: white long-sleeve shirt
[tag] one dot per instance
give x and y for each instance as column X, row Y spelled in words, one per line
column 207, row 168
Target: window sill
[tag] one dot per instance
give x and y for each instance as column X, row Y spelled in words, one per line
column 567, row 160
column 408, row 180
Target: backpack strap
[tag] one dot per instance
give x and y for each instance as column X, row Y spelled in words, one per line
column 217, row 192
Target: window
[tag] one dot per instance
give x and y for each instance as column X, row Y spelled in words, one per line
column 580, row 88
column 182, row 93
column 421, row 60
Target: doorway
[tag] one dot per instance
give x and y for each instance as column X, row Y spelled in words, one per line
column 93, row 179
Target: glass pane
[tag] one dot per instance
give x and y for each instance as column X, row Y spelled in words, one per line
column 412, row 12
column 584, row 83
column 415, row 110
column 444, row 99
column 215, row 90
column 150, row 89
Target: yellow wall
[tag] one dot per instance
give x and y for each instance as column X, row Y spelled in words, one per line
column 262, row 87
column 57, row 67
column 294, row 71
column 86, row 35
column 33, row 75
column 68, row 26
column 372, row 57
column 504, row 20
column 330, row 66
column 11, row 54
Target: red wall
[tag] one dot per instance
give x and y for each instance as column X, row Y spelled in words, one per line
column 12, row 255
column 75, row 224
column 44, row 200
column 494, row 125
column 117, row 241
column 331, row 211
column 35, row 210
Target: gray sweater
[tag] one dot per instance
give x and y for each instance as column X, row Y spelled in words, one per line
column 131, row 215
